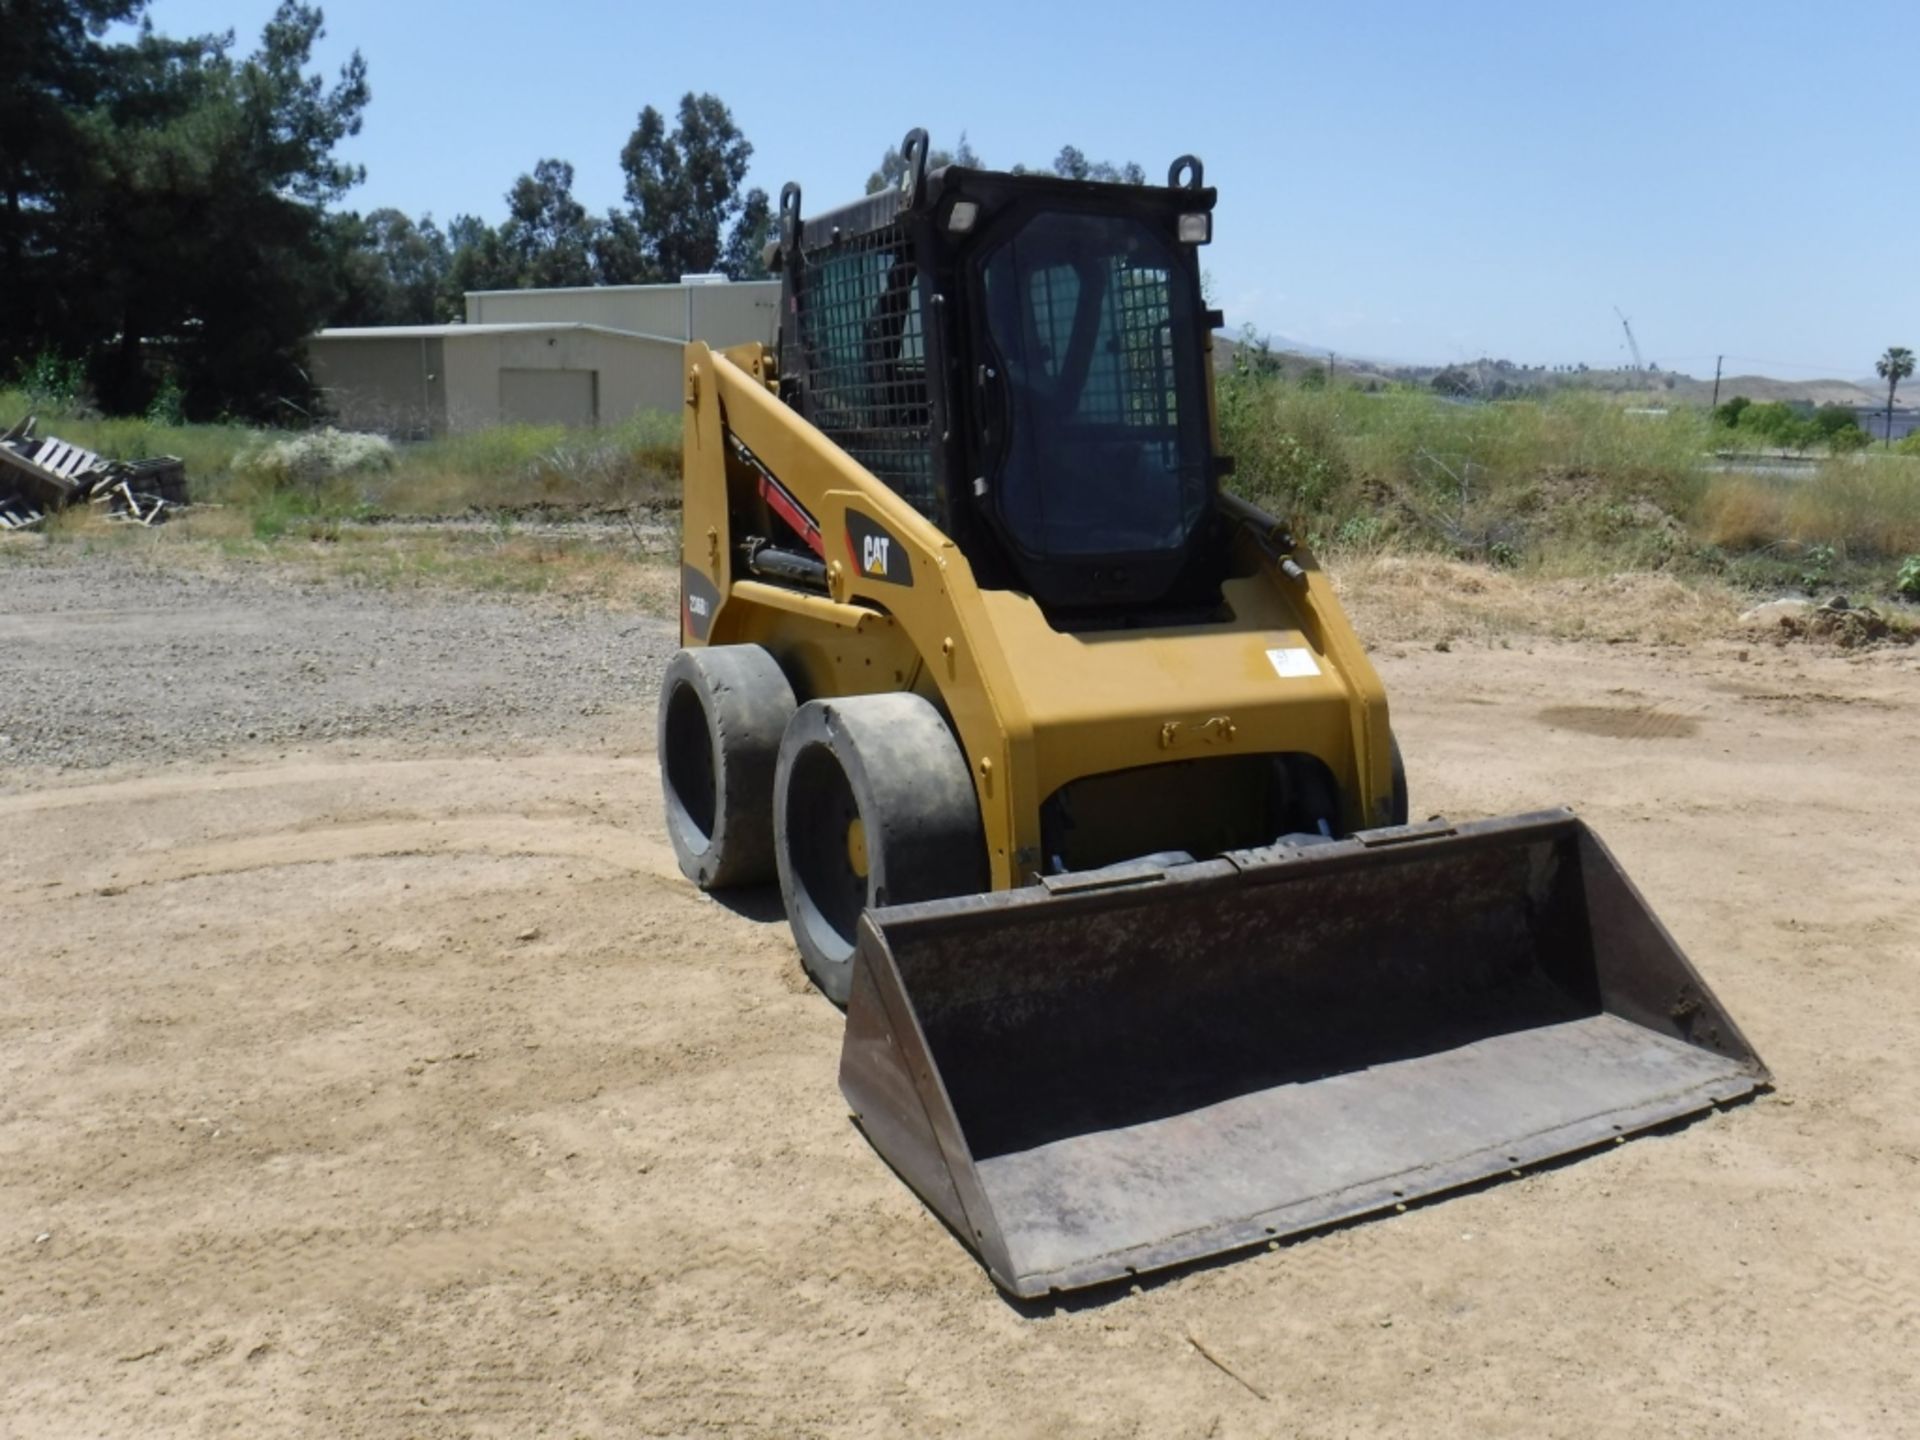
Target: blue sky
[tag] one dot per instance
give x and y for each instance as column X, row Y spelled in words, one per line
column 1411, row 181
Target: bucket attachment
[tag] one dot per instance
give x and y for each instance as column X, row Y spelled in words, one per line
column 1111, row 1073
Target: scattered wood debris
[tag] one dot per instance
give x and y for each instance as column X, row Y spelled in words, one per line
column 42, row 474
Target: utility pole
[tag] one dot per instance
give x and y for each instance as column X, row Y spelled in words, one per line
column 1718, row 361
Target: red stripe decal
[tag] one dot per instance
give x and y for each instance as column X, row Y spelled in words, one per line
column 790, row 510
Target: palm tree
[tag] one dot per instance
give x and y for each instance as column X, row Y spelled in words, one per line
column 1893, row 367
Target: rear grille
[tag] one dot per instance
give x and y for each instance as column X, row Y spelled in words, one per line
column 861, row 358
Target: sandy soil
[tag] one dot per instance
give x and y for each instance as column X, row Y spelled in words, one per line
column 406, row 1094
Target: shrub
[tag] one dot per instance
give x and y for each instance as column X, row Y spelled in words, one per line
column 1908, row 583
column 168, row 406
column 1838, row 428
column 50, row 382
column 1779, row 424
column 1829, row 420
column 317, row 457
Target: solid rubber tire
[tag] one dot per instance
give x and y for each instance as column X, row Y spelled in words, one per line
column 893, row 761
column 723, row 710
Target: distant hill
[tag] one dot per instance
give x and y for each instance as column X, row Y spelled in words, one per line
column 1292, row 362
column 1765, row 389
column 1497, row 377
column 1309, row 350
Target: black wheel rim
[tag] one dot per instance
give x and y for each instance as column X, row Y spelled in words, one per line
column 829, row 893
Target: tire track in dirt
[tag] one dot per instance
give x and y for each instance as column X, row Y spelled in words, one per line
column 1863, row 1294
column 1622, row 722
column 311, row 1266
column 324, row 772
column 502, row 836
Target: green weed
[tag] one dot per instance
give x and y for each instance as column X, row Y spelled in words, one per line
column 1482, row 481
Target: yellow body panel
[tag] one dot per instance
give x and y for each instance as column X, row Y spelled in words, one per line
column 1034, row 707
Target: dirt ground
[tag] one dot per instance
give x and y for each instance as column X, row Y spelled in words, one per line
column 380, row 1088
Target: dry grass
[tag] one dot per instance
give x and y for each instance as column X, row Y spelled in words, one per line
column 207, row 449
column 1428, row 599
column 1865, row 508
column 606, row 564
column 557, row 568
column 1740, row 513
column 636, row 463
column 286, row 476
column 1573, row 488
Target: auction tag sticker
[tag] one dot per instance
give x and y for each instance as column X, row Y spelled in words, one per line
column 1293, row 663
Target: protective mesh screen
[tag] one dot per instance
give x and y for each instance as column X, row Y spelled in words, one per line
column 1131, row 377
column 863, row 359
column 1106, row 450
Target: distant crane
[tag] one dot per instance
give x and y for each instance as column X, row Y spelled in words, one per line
column 1639, row 363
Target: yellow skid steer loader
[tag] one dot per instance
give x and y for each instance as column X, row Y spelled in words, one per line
column 1079, row 787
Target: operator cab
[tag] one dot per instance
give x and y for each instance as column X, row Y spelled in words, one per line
column 1022, row 358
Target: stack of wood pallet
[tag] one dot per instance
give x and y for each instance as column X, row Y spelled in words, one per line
column 42, row 474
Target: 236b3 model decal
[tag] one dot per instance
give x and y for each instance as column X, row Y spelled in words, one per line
column 699, row 598
column 876, row 554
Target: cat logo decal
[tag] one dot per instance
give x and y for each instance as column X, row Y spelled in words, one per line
column 876, row 554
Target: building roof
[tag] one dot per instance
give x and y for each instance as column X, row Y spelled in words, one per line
column 456, row 330
column 623, row 289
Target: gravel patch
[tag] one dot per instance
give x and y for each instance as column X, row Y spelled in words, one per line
column 105, row 662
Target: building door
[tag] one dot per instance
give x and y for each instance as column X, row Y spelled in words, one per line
column 550, row 397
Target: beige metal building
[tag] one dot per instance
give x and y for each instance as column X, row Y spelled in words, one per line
column 582, row 357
